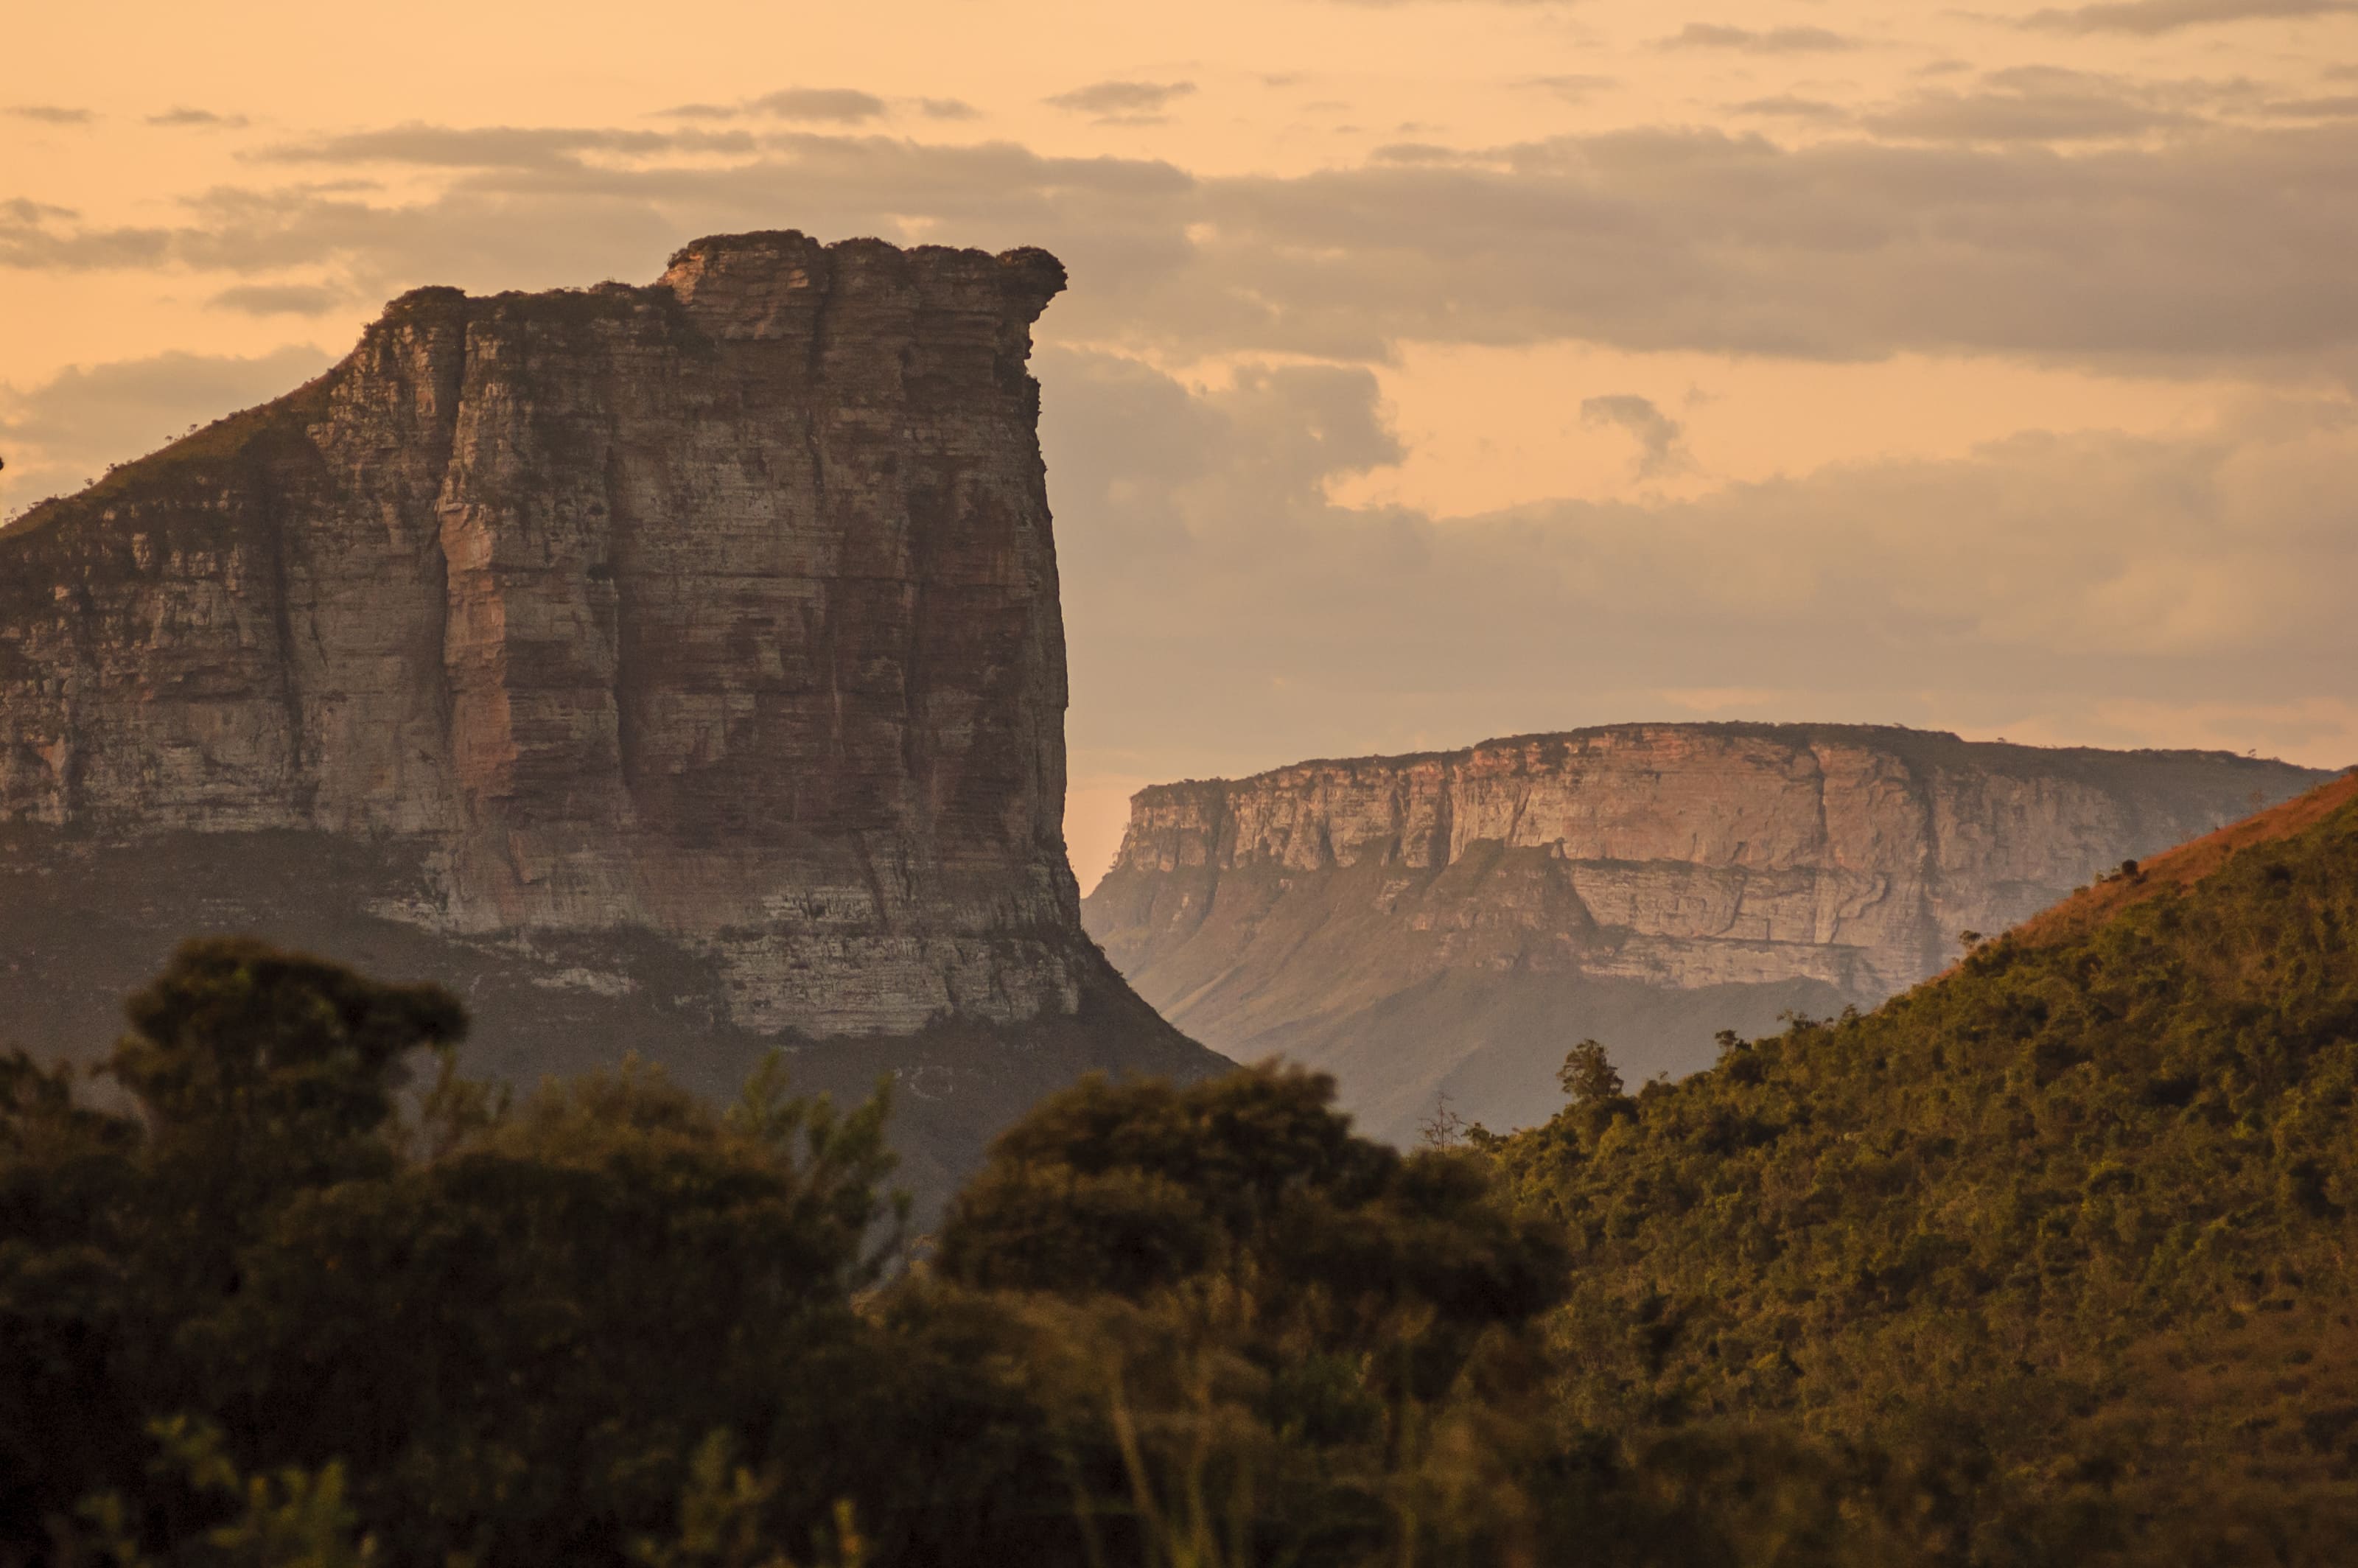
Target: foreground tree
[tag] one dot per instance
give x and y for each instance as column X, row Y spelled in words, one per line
column 509, row 1329
column 256, row 1313
column 1255, row 1335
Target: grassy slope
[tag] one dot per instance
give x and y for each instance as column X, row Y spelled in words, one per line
column 2087, row 1199
column 2181, row 868
column 196, row 461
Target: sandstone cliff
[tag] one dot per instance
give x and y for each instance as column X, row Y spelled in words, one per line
column 1451, row 923
column 696, row 646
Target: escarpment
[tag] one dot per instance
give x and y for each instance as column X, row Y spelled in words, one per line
column 679, row 667
column 1450, row 924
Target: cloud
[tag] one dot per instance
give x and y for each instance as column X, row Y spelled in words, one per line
column 281, row 298
column 842, row 104
column 2228, row 248
column 948, row 109
column 1774, row 40
column 2042, row 103
column 526, row 214
column 2046, row 584
column 1123, row 102
column 2150, row 19
column 1571, row 89
column 51, row 113
column 1421, row 153
column 1786, row 106
column 2223, row 250
column 495, row 146
column 2339, row 107
column 64, row 431
column 34, row 237
column 203, row 118
column 830, row 105
column 1661, row 448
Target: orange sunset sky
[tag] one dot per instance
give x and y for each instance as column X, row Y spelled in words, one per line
column 1431, row 370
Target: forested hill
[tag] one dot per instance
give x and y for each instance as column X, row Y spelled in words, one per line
column 2071, row 1225
column 2045, row 1265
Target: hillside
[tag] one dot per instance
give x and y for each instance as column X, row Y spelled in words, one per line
column 2044, row 1265
column 2074, row 1218
column 1445, row 924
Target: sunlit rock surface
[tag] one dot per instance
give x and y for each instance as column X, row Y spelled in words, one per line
column 694, row 647
column 1451, row 923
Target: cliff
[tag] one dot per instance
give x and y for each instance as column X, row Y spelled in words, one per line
column 1451, row 923
column 695, row 645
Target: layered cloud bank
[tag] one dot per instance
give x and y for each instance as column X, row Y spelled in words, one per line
column 1961, row 227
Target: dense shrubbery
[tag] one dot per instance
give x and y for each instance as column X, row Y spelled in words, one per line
column 2062, row 1242
column 256, row 1316
column 1252, row 1330
column 2047, row 1263
column 509, row 1329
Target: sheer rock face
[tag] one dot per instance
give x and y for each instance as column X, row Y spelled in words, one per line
column 721, row 613
column 1635, row 878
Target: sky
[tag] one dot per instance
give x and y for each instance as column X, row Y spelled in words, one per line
column 1433, row 369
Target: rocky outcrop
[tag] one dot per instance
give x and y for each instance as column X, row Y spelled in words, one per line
column 1449, row 923
column 721, row 613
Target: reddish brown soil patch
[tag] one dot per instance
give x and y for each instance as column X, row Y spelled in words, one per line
column 2179, row 869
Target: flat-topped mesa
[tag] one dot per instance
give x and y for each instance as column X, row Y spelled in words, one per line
column 1307, row 908
column 723, row 610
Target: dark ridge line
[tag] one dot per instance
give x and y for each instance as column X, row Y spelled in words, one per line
column 1766, row 728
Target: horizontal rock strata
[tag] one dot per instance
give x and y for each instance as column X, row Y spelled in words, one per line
column 721, row 612
column 1656, row 880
